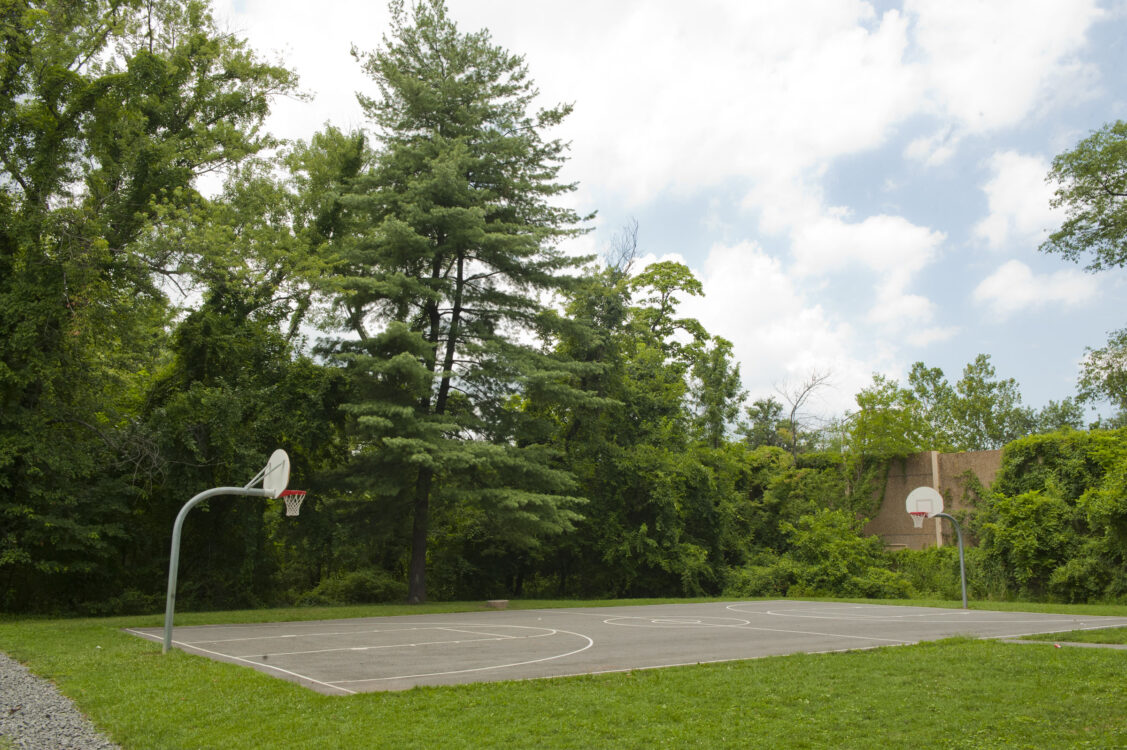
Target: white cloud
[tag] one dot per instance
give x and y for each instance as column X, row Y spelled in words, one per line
column 1018, row 199
column 1015, row 288
column 889, row 245
column 673, row 97
column 906, row 318
column 776, row 332
column 921, row 338
column 934, row 149
column 896, row 308
column 989, row 63
column 313, row 39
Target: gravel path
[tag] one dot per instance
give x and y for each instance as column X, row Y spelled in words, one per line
column 35, row 716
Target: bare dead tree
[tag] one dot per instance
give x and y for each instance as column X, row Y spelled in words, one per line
column 796, row 396
column 623, row 250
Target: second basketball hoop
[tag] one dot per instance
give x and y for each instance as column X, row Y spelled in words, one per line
column 923, row 503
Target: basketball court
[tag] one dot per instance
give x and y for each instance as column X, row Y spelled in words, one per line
column 343, row 657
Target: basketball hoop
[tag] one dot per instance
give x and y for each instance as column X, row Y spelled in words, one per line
column 923, row 502
column 926, row 502
column 293, row 500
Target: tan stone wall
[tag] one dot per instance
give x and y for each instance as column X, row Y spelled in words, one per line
column 942, row 471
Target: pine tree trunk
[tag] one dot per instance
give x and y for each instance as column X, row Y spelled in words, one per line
column 417, row 572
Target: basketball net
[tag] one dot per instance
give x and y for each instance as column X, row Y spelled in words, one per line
column 293, row 500
column 918, row 517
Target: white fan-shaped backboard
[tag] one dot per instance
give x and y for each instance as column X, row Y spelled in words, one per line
column 924, row 500
column 276, row 476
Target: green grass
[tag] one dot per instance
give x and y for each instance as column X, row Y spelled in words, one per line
column 1104, row 635
column 955, row 693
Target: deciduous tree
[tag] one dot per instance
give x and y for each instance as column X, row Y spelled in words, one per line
column 109, row 109
column 1091, row 181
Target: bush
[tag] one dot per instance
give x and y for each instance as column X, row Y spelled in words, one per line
column 931, row 572
column 365, row 586
column 129, row 602
column 829, row 557
column 879, row 583
column 1081, row 579
column 769, row 578
column 1054, row 523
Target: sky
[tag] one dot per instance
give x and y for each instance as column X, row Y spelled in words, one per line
column 858, row 185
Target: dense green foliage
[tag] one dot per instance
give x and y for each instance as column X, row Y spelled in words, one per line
column 1056, row 521
column 980, row 412
column 108, row 111
column 477, row 413
column 450, row 242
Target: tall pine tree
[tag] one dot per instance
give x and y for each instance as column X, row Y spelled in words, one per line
column 454, row 244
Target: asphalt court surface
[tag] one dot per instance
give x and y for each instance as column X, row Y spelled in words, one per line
column 342, row 657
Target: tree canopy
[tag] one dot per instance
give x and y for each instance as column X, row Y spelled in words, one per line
column 476, row 412
column 1091, row 181
column 108, row 111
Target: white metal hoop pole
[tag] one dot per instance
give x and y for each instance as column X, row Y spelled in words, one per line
column 174, row 559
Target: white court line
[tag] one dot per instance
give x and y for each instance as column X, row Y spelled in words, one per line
column 965, row 620
column 830, row 614
column 383, row 648
column 590, row 643
column 474, row 632
column 749, row 626
column 1102, row 626
column 965, row 616
column 251, row 662
column 606, row 620
column 859, row 617
column 827, row 635
column 660, row 623
column 619, row 670
column 302, row 635
column 488, row 637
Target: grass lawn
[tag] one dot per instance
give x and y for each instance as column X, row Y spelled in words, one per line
column 1107, row 635
column 956, row 693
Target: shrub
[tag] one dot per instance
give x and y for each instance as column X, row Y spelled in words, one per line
column 931, row 572
column 773, row 578
column 365, row 586
column 828, row 557
column 879, row 583
column 1031, row 534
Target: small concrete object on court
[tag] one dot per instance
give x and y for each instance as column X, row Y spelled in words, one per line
column 342, row 657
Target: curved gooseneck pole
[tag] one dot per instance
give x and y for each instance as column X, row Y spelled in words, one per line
column 962, row 564
column 174, row 560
